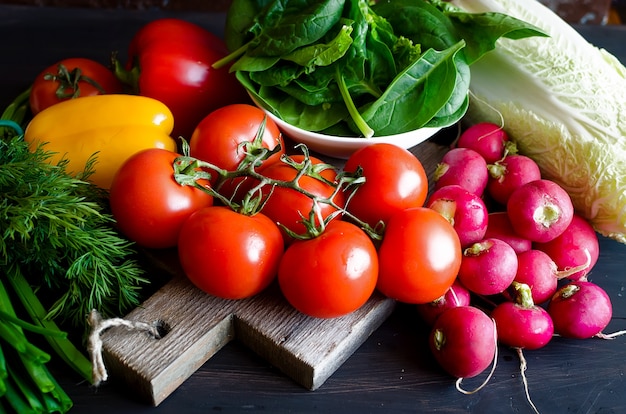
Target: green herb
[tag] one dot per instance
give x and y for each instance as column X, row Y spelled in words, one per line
column 361, row 68
column 54, row 229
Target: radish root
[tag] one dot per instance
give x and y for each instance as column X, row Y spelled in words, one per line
column 523, row 366
column 611, row 335
column 484, row 102
column 568, row 271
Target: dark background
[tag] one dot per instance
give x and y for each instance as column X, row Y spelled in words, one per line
column 574, row 11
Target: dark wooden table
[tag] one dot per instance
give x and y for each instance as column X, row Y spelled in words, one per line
column 393, row 370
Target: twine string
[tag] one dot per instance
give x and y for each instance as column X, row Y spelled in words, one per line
column 94, row 345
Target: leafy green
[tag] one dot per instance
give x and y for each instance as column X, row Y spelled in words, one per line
column 322, row 54
column 279, row 27
column 360, row 68
column 420, row 92
column 482, row 30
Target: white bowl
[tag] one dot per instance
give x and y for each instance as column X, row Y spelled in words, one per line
column 343, row 147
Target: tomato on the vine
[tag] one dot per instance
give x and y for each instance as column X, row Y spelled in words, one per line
column 147, row 203
column 71, row 78
column 228, row 254
column 290, row 207
column 227, row 135
column 394, row 180
column 419, row 256
column 332, row 274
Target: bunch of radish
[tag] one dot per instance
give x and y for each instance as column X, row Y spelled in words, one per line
column 526, row 257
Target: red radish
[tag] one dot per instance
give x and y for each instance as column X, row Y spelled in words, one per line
column 485, row 138
column 521, row 323
column 537, row 270
column 464, row 210
column 510, row 173
column 580, row 310
column 499, row 227
column 488, row 267
column 463, row 341
column 577, row 247
column 540, row 210
column 457, row 295
column 464, row 167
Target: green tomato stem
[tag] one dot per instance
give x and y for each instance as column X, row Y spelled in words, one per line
column 185, row 168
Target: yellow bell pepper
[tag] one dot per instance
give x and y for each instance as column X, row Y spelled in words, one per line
column 110, row 128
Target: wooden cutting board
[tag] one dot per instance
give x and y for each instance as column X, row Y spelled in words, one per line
column 197, row 325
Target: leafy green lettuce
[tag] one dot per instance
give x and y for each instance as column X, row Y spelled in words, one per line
column 356, row 68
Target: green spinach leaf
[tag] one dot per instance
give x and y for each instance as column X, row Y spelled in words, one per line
column 293, row 111
column 416, row 95
column 482, row 30
column 290, row 24
column 323, row 54
column 240, row 19
column 419, row 21
column 458, row 103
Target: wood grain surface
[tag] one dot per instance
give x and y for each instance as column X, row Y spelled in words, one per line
column 309, row 350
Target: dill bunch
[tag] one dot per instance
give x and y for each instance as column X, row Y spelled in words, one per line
column 57, row 232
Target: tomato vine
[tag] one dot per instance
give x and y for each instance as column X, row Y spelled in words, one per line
column 192, row 171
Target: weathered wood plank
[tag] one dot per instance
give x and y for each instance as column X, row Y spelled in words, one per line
column 307, row 349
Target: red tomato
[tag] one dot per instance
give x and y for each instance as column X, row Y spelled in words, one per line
column 219, row 138
column 71, row 78
column 288, row 206
column 230, row 255
column 148, row 205
column 332, row 274
column 394, row 180
column 174, row 59
column 419, row 256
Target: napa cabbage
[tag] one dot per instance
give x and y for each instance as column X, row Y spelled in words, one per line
column 563, row 101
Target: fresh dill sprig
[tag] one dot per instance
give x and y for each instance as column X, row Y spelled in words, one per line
column 57, row 229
